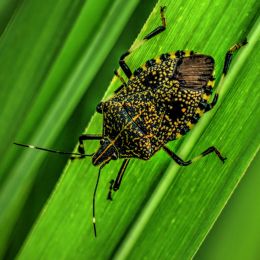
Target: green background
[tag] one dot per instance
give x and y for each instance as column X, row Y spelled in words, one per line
column 57, row 60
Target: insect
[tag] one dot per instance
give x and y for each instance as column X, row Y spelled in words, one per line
column 161, row 101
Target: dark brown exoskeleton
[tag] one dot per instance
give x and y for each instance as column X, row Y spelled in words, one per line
column 161, row 101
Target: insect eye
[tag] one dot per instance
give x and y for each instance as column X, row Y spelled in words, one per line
column 102, row 141
column 114, row 156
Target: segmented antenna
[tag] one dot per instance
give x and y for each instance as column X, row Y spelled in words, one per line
column 52, row 151
column 93, row 206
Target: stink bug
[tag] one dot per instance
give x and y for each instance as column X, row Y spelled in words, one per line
column 160, row 102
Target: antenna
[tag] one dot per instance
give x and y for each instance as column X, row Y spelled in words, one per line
column 52, row 151
column 93, row 207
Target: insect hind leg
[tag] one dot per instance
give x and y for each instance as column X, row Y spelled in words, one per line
column 227, row 62
column 150, row 35
column 181, row 162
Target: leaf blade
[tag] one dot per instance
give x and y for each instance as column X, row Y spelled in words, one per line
column 17, row 186
column 74, row 192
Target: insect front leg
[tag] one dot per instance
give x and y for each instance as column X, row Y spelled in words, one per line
column 86, row 137
column 82, row 138
column 181, row 162
column 227, row 62
column 150, row 35
column 114, row 185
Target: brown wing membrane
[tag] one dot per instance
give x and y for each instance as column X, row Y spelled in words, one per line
column 194, row 71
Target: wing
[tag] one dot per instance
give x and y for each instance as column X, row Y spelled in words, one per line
column 194, row 71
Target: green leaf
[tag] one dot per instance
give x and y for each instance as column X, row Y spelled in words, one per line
column 162, row 210
column 51, row 58
column 201, row 192
column 238, row 223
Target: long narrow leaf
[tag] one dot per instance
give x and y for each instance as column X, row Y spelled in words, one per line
column 151, row 215
column 53, row 108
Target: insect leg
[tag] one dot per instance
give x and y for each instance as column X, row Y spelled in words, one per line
column 230, row 53
column 213, row 103
column 82, row 138
column 150, row 35
column 86, row 137
column 121, row 79
column 181, row 162
column 114, row 185
column 227, row 62
column 159, row 29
